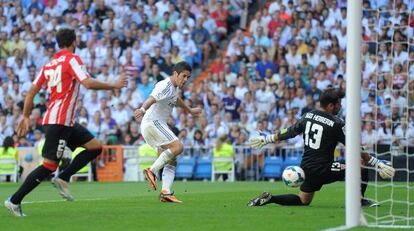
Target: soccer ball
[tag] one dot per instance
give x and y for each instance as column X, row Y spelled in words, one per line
column 293, row 176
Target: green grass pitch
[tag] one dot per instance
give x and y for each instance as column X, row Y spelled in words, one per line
column 207, row 206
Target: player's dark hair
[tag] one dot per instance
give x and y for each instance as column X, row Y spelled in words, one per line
column 65, row 37
column 182, row 66
column 331, row 95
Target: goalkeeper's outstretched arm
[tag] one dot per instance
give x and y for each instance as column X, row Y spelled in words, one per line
column 383, row 167
column 284, row 134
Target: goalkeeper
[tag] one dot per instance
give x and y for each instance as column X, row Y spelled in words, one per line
column 322, row 130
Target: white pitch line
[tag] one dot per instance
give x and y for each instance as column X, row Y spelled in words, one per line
column 340, row 228
column 57, row 201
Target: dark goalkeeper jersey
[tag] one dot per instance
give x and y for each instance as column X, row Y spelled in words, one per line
column 321, row 133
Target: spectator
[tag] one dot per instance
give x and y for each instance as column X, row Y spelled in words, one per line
column 187, row 47
column 299, row 101
column 156, row 36
column 309, row 105
column 162, row 7
column 175, row 55
column 101, row 12
column 404, row 135
column 165, row 23
column 265, row 99
column 198, row 140
column 201, row 38
column 265, row 63
column 220, row 15
column 293, row 57
column 385, row 133
column 185, row 138
column 174, row 15
column 155, row 74
column 261, row 39
column 8, row 151
column 145, row 87
column 145, row 25
column 157, row 58
column 154, row 17
column 167, row 67
column 231, row 104
column 130, row 67
column 135, row 138
column 240, row 89
column 122, row 115
column 369, row 137
column 215, row 130
column 185, row 22
column 83, row 116
column 111, row 125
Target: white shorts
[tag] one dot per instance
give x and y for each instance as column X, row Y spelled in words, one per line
column 157, row 133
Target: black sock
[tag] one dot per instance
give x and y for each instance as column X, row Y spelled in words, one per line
column 80, row 161
column 31, row 182
column 364, row 181
column 287, row 199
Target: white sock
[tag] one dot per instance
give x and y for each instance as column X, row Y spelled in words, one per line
column 162, row 160
column 168, row 175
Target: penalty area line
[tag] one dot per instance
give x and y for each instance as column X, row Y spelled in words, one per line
column 62, row 200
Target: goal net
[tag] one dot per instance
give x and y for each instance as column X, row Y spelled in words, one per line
column 387, row 112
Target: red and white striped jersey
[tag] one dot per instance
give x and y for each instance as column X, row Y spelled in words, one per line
column 62, row 76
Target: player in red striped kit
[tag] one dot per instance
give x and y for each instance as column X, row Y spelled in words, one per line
column 62, row 76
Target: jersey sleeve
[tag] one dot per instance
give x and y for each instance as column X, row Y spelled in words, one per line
column 78, row 69
column 160, row 91
column 292, row 131
column 40, row 79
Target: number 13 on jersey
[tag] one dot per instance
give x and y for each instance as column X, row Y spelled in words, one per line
column 313, row 140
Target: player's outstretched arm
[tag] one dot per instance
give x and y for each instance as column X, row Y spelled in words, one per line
column 193, row 111
column 384, row 168
column 284, row 134
column 93, row 84
column 23, row 126
column 260, row 141
column 147, row 104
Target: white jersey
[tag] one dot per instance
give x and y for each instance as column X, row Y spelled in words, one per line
column 165, row 95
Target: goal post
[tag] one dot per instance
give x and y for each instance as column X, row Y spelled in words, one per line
column 389, row 52
column 353, row 114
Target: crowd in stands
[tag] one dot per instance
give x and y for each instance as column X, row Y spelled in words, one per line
column 271, row 72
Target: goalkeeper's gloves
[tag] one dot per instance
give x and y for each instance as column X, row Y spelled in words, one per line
column 260, row 141
column 384, row 168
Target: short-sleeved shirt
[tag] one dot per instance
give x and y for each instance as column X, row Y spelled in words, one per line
column 62, row 77
column 232, row 104
column 166, row 96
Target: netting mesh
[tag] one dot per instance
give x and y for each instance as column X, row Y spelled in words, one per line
column 387, row 108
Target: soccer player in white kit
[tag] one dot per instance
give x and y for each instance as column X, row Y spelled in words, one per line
column 155, row 111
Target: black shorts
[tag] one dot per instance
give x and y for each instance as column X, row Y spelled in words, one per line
column 59, row 136
column 334, row 172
